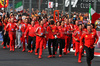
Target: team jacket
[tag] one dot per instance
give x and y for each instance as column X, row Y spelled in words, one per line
column 40, row 30
column 24, row 27
column 89, row 39
column 51, row 30
column 77, row 35
column 62, row 31
column 11, row 27
column 30, row 31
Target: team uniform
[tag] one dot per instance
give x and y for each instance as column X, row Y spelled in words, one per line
column 52, row 30
column 62, row 31
column 12, row 35
column 75, row 29
column 39, row 40
column 23, row 29
column 67, row 38
column 30, row 31
column 89, row 42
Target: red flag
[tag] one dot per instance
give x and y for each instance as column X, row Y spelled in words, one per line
column 95, row 17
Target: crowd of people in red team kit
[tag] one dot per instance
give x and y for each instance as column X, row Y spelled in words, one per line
column 40, row 30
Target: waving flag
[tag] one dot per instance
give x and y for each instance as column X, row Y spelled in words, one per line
column 93, row 16
column 19, row 6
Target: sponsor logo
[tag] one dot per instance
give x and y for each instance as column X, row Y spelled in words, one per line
column 53, row 30
column 73, row 3
column 86, row 36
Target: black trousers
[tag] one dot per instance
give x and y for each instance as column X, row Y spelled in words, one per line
column 89, row 55
column 53, row 41
column 61, row 43
column 6, row 39
column 70, row 42
column 30, row 39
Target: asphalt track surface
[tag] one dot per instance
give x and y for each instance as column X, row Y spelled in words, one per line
column 19, row 58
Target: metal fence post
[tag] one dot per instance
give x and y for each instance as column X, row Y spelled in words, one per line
column 13, row 6
column 39, row 6
column 30, row 6
column 95, row 4
column 69, row 8
column 63, row 7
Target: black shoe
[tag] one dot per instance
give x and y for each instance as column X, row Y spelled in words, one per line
column 19, row 47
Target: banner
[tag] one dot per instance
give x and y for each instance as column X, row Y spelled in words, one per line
column 2, row 2
column 50, row 4
column 82, row 5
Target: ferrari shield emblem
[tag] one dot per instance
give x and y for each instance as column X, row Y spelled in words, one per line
column 53, row 30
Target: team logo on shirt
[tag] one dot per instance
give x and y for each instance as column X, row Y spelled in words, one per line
column 12, row 29
column 41, row 33
column 92, row 32
column 24, row 25
column 59, row 29
column 78, row 32
column 30, row 28
column 10, row 25
column 52, row 26
column 53, row 30
column 86, row 36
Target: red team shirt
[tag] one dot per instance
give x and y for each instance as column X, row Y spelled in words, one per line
column 62, row 32
column 52, row 30
column 11, row 27
column 89, row 39
column 30, row 31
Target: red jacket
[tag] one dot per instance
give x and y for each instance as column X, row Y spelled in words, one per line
column 30, row 31
column 24, row 27
column 94, row 30
column 76, row 27
column 40, row 30
column 89, row 39
column 11, row 27
column 68, row 29
column 52, row 30
column 62, row 32
column 77, row 35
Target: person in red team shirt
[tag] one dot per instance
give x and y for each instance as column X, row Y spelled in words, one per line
column 91, row 39
column 67, row 36
column 12, row 33
column 31, row 36
column 75, row 29
column 84, row 30
column 62, row 31
column 77, row 36
column 70, row 36
column 39, row 39
column 23, row 29
column 45, row 27
column 52, row 30
column 58, row 25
